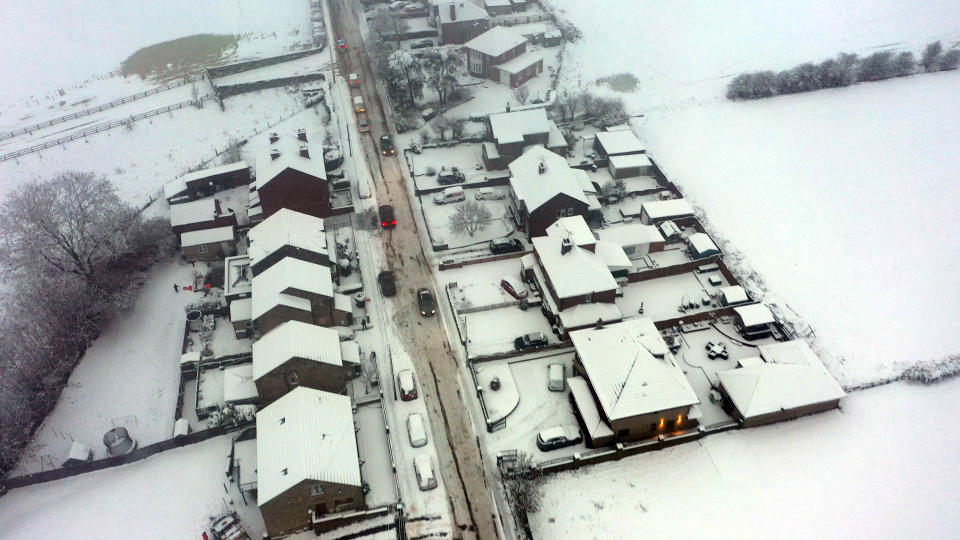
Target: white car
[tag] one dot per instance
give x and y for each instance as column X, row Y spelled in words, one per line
column 488, row 194
column 416, row 430
column 426, row 480
column 558, row 437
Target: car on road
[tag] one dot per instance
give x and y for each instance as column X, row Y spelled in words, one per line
column 353, row 80
column 386, row 146
column 422, row 466
column 408, row 387
column 341, row 44
column 416, row 430
column 500, row 246
column 387, row 218
column 450, row 176
column 363, row 123
column 558, row 437
column 427, row 305
column 422, row 44
column 514, row 287
column 535, row 340
column 388, row 286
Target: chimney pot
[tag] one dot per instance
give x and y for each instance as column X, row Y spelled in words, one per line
column 565, row 246
column 542, row 168
column 302, row 134
column 274, row 137
column 274, row 154
column 453, row 11
column 305, row 151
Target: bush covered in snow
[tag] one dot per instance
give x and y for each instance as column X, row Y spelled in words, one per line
column 933, row 371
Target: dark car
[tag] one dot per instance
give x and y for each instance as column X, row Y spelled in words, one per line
column 422, row 44
column 505, row 245
column 427, row 306
column 341, row 44
column 451, row 176
column 525, row 342
column 558, row 437
column 387, row 218
column 386, row 146
column 388, row 285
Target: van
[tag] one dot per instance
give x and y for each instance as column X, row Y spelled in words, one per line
column 555, row 377
column 416, row 430
column 424, row 470
column 358, row 104
column 488, row 194
column 449, row 195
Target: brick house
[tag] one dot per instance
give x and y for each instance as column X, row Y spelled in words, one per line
column 292, row 290
column 298, row 354
column 459, row 21
column 200, row 215
column 512, row 132
column 308, row 466
column 293, row 176
column 208, row 244
column 206, row 182
column 287, row 234
column 544, row 188
column 500, row 54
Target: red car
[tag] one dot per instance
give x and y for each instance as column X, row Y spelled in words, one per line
column 387, row 218
column 408, row 387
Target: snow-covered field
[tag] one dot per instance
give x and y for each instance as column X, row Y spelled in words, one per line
column 883, row 467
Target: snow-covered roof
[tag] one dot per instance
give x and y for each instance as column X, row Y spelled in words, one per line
column 214, row 171
column 295, row 339
column 496, row 3
column 190, row 357
column 667, row 209
column 342, row 302
column 350, row 352
column 620, row 142
column 613, row 255
column 629, row 161
column 510, row 127
column 305, row 435
column 587, row 314
column 496, row 40
column 630, row 234
column 173, row 188
column 669, row 228
column 520, row 63
column 193, row 212
column 795, row 379
column 206, row 236
column 289, row 273
column 555, row 138
column 237, row 279
column 574, row 273
column 238, row 384
column 754, row 314
column 465, row 10
column 240, row 310
column 574, row 228
column 536, row 189
column 286, row 228
column 587, row 407
column 627, row 378
column 701, row 242
column 734, row 294
column 268, row 168
column 618, row 127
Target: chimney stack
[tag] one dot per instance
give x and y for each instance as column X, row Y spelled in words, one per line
column 302, row 134
column 542, row 168
column 565, row 246
column 274, row 154
column 305, row 151
column 274, row 137
column 453, row 11
column 508, row 106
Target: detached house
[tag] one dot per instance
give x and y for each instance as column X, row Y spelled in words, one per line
column 500, row 54
column 544, row 188
column 287, row 234
column 629, row 385
column 298, row 354
column 293, row 290
column 459, row 21
column 308, row 466
column 513, row 131
column 292, row 175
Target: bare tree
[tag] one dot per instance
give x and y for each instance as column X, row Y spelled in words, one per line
column 930, row 54
column 195, row 96
column 522, row 93
column 470, row 217
column 441, row 68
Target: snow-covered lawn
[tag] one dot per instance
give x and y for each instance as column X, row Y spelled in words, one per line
column 493, row 331
column 467, row 157
column 438, row 220
column 883, row 467
column 128, row 377
column 169, row 495
column 662, row 298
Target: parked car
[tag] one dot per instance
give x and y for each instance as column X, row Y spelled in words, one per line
column 386, row 146
column 408, row 388
column 427, row 305
column 514, row 287
column 397, row 6
column 536, row 340
column 422, row 44
column 449, row 195
column 228, row 527
column 505, row 245
column 422, row 466
column 341, row 44
column 387, row 218
column 416, row 430
column 555, row 381
column 450, row 176
column 488, row 194
column 558, row 437
column 388, row 286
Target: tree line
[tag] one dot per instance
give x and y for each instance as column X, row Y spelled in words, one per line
column 844, row 70
column 72, row 255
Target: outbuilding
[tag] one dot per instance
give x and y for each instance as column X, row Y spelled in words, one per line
column 699, row 246
column 655, row 212
column 753, row 321
column 208, row 244
column 617, row 143
column 636, row 239
column 630, row 165
column 733, row 295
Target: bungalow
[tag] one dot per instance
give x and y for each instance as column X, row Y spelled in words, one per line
column 292, row 290
column 629, row 386
column 544, row 188
column 288, row 233
column 621, row 142
column 753, row 321
column 787, row 382
column 240, row 311
column 636, row 239
column 699, row 246
column 298, row 354
column 208, row 244
column 630, row 165
column 206, row 182
column 459, row 21
column 308, row 465
column 293, row 176
column 500, row 54
column 513, row 131
column 237, row 278
column 200, row 215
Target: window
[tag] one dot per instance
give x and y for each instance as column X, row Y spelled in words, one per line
column 293, row 379
column 316, row 491
column 202, row 248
